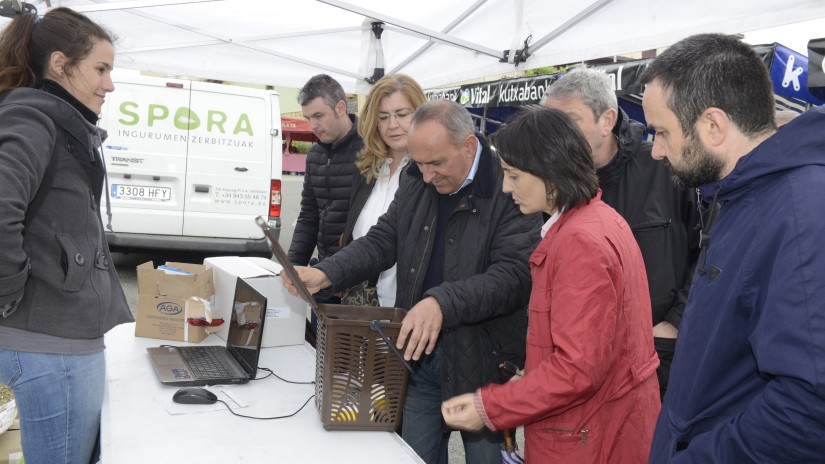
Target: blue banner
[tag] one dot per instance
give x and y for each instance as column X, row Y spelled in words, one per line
column 789, row 73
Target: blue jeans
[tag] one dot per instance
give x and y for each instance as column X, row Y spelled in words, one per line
column 59, row 399
column 423, row 426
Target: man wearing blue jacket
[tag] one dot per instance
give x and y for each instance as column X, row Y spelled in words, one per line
column 748, row 380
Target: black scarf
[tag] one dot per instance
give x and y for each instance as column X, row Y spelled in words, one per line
column 52, row 87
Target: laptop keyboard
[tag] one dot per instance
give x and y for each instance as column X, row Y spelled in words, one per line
column 206, row 362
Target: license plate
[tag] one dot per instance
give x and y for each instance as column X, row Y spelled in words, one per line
column 141, row 192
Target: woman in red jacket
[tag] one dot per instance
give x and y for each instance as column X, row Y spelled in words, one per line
column 589, row 393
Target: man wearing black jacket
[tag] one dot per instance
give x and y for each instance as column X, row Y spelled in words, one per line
column 663, row 217
column 462, row 249
column 329, row 173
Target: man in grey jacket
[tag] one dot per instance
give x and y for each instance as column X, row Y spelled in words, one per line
column 462, row 249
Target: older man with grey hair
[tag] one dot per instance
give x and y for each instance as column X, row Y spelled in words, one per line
column 664, row 218
column 462, row 248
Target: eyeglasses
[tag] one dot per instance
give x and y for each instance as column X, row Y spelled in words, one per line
column 400, row 115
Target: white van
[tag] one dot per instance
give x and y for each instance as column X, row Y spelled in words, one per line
column 191, row 164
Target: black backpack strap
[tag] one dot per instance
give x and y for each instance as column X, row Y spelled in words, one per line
column 43, row 190
column 45, row 182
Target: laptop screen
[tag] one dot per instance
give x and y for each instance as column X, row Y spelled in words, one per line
column 246, row 326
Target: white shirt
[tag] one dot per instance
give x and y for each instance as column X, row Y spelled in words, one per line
column 377, row 204
column 473, row 169
column 547, row 225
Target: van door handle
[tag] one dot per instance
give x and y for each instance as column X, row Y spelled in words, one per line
column 241, row 169
column 201, row 189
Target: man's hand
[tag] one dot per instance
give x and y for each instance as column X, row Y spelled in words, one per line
column 314, row 279
column 422, row 324
column 460, row 413
column 665, row 329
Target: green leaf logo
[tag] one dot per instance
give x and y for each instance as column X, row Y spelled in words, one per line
column 186, row 120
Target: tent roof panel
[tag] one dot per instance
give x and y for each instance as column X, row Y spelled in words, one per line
column 223, row 39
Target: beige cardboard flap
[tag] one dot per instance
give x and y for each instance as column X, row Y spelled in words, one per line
column 175, row 285
column 160, row 284
column 198, row 308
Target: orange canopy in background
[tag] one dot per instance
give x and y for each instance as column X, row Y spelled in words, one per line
column 295, row 130
column 298, row 130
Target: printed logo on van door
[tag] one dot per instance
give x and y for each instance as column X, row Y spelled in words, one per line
column 185, row 118
column 158, row 122
column 169, row 308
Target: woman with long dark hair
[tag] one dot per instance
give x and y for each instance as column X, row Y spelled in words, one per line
column 59, row 292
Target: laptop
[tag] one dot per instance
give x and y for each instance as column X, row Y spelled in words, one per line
column 235, row 363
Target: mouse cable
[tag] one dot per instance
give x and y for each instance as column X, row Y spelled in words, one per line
column 281, row 378
column 268, row 418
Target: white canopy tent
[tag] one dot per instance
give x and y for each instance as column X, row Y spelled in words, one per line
column 438, row 42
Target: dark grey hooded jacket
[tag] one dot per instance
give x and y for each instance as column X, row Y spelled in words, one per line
column 56, row 275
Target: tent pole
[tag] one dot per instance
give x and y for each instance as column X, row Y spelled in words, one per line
column 133, row 5
column 455, row 22
column 378, row 71
column 570, row 23
column 433, row 35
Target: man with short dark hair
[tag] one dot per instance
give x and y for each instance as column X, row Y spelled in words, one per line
column 748, row 380
column 462, row 249
column 329, row 173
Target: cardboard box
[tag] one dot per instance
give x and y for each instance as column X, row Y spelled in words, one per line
column 285, row 314
column 166, row 301
column 11, row 451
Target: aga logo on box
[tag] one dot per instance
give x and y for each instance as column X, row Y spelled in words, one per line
column 169, row 308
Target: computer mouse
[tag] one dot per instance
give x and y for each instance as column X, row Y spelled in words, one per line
column 194, row 395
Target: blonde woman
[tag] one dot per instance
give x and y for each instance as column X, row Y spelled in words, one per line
column 383, row 124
